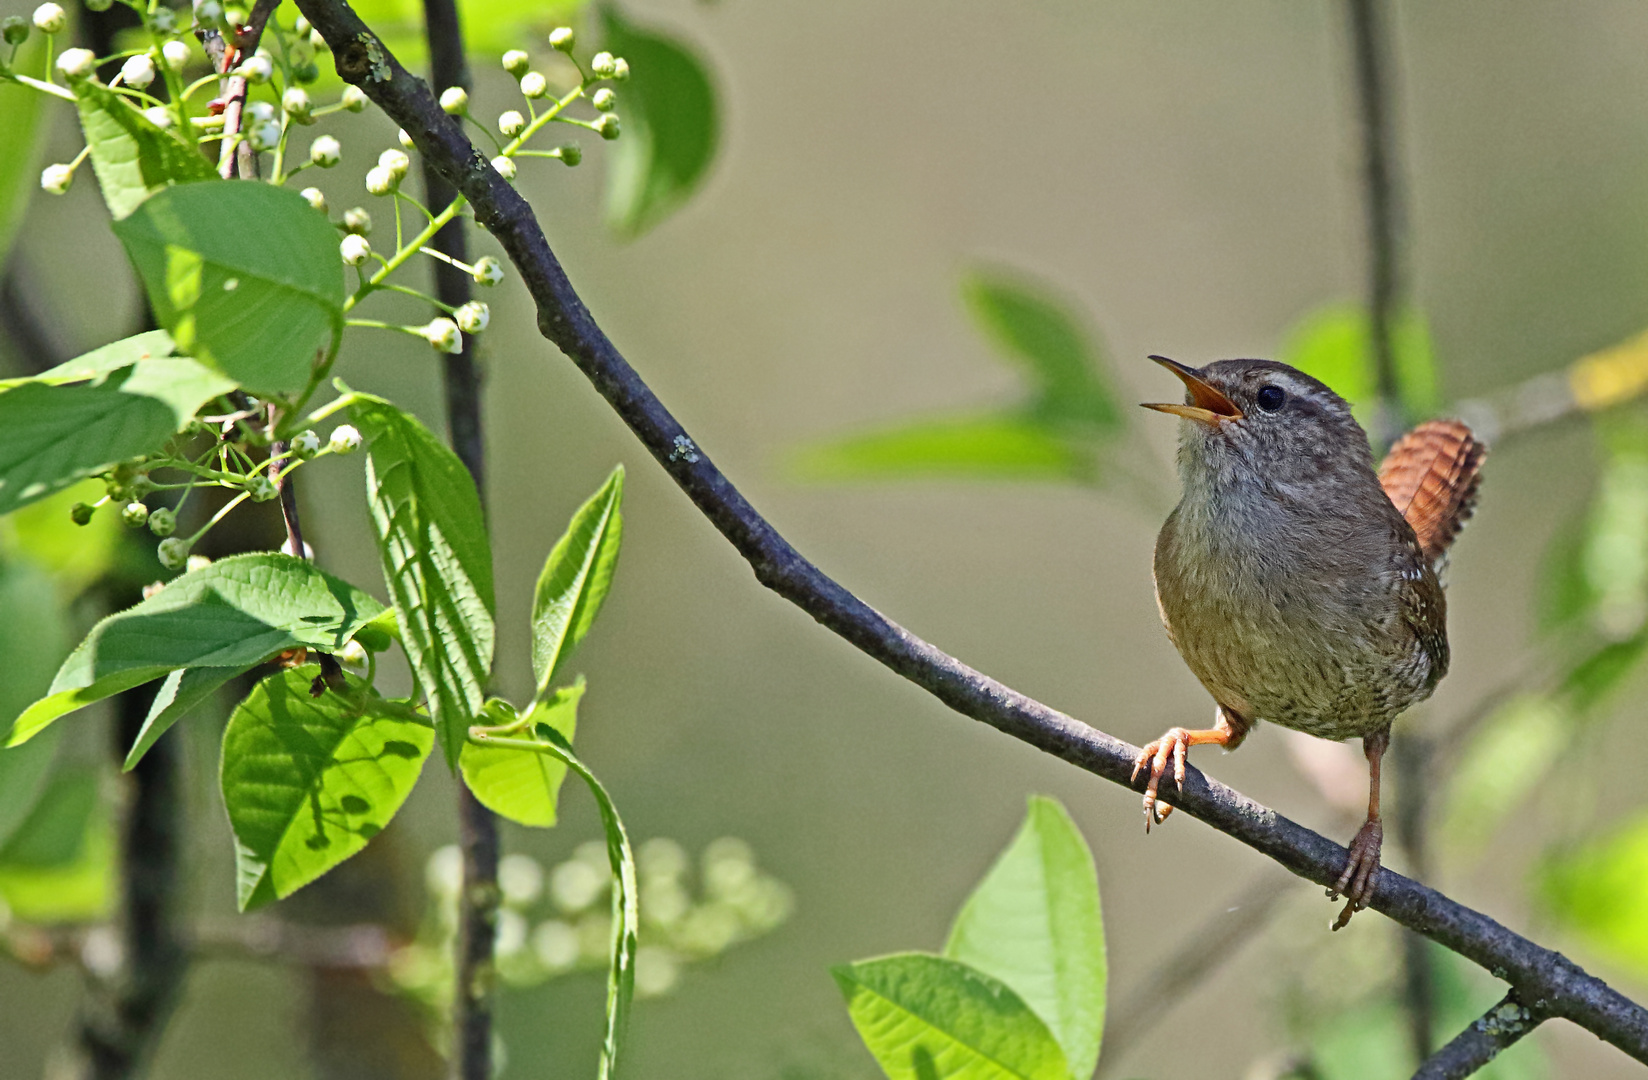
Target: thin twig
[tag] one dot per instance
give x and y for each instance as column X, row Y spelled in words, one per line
column 237, row 158
column 1480, row 1043
column 1543, row 975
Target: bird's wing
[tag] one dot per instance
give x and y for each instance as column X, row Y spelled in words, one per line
column 1431, row 476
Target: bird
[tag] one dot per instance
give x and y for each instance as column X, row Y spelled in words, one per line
column 1299, row 584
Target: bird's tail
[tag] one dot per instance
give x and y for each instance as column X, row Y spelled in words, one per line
column 1431, row 474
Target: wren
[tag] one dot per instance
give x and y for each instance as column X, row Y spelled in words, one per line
column 1300, row 585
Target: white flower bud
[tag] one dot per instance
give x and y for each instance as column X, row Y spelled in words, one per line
column 534, row 85
column 396, row 162
column 317, row 41
column 607, row 126
column 603, row 65
column 316, row 198
column 261, row 488
column 505, row 167
column 259, row 112
column 443, row 335
column 76, row 63
column 256, row 70
column 176, row 54
column 358, row 221
column 306, row 444
column 55, row 179
column 570, row 154
column 454, row 100
column 164, row 20
column 135, row 515
column 354, row 99
column 302, row 25
column 562, row 39
column 516, row 61
column 511, row 123
column 472, row 317
column 326, row 151
column 173, row 553
column 138, row 71
column 604, row 99
column 355, row 249
column 162, row 522
column 620, row 69
column 380, row 181
column 352, row 654
column 345, row 440
column 210, row 13
column 50, row 18
column 406, row 140
column 158, row 115
column 266, row 136
column 488, row 271
column 296, row 104
column 196, row 562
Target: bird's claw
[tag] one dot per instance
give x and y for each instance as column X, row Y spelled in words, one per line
column 1361, row 870
column 1155, row 756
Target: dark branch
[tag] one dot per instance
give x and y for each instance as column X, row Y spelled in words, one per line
column 1480, row 1043
column 1544, row 976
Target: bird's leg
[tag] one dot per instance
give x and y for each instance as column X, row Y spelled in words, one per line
column 1356, row 883
column 1228, row 731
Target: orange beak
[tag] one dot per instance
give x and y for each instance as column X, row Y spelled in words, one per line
column 1208, row 404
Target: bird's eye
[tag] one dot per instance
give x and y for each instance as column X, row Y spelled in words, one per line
column 1271, row 398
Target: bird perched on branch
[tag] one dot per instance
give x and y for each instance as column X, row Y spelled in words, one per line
column 1299, row 585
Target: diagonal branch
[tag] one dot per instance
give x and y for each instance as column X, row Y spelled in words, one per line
column 1552, row 981
column 1480, row 1043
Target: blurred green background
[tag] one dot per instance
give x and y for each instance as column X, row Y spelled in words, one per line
column 1184, row 173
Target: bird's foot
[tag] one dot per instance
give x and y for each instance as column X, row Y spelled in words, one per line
column 1361, row 870
column 1155, row 756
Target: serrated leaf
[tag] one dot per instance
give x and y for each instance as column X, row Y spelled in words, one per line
column 522, row 786
column 246, row 277
column 102, row 361
column 51, row 436
column 59, row 865
column 671, row 125
column 992, row 447
column 1035, row 923
column 1333, row 343
column 432, row 545
column 576, row 577
column 925, row 1016
column 309, row 780
column 235, row 613
column 132, row 157
column 1029, row 325
column 180, row 692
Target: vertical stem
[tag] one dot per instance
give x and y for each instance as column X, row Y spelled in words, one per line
column 477, row 827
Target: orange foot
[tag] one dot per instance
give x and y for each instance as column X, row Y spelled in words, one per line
column 1155, row 756
column 1361, row 870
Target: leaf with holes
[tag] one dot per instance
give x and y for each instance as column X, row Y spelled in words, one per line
column 575, row 579
column 432, row 545
column 309, row 780
column 132, row 157
column 246, row 277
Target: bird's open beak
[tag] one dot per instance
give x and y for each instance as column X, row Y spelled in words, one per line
column 1208, row 404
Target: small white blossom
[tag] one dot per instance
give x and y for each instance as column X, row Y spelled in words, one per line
column 296, row 104
column 604, row 99
column 266, row 136
column 256, row 70
column 353, row 654
column 326, row 151
column 454, row 100
column 317, row 41
column 135, row 515
column 306, row 444
column 138, row 71
column 162, row 522
column 488, row 271
column 345, row 440
column 173, row 553
column 55, row 179
column 570, row 154
column 511, row 123
column 603, row 65
column 355, row 249
column 534, row 85
column 210, row 13
column 607, row 126
column 505, row 167
column 516, row 61
column 176, row 54
column 443, row 335
column 354, row 99
column 358, row 221
column 197, row 562
column 316, row 198
column 472, row 317
column 260, row 112
column 302, row 25
column 562, row 39
column 158, row 115
column 76, row 63
column 164, row 20
column 50, row 18
column 406, row 140
column 380, row 181
column 620, row 69
column 396, row 162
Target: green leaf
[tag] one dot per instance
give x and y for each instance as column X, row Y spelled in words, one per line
column 1508, row 755
column 21, row 142
column 44, row 534
column 33, row 639
column 432, row 544
column 1600, row 673
column 51, row 436
column 1614, row 555
column 235, row 613
column 1030, row 326
column 524, row 787
column 992, row 447
column 924, row 1017
column 1600, row 892
column 59, row 865
column 132, row 157
column 1333, row 343
column 246, row 277
column 309, row 780
column 1035, row 924
column 180, row 692
column 99, row 362
column 575, row 579
column 670, row 125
